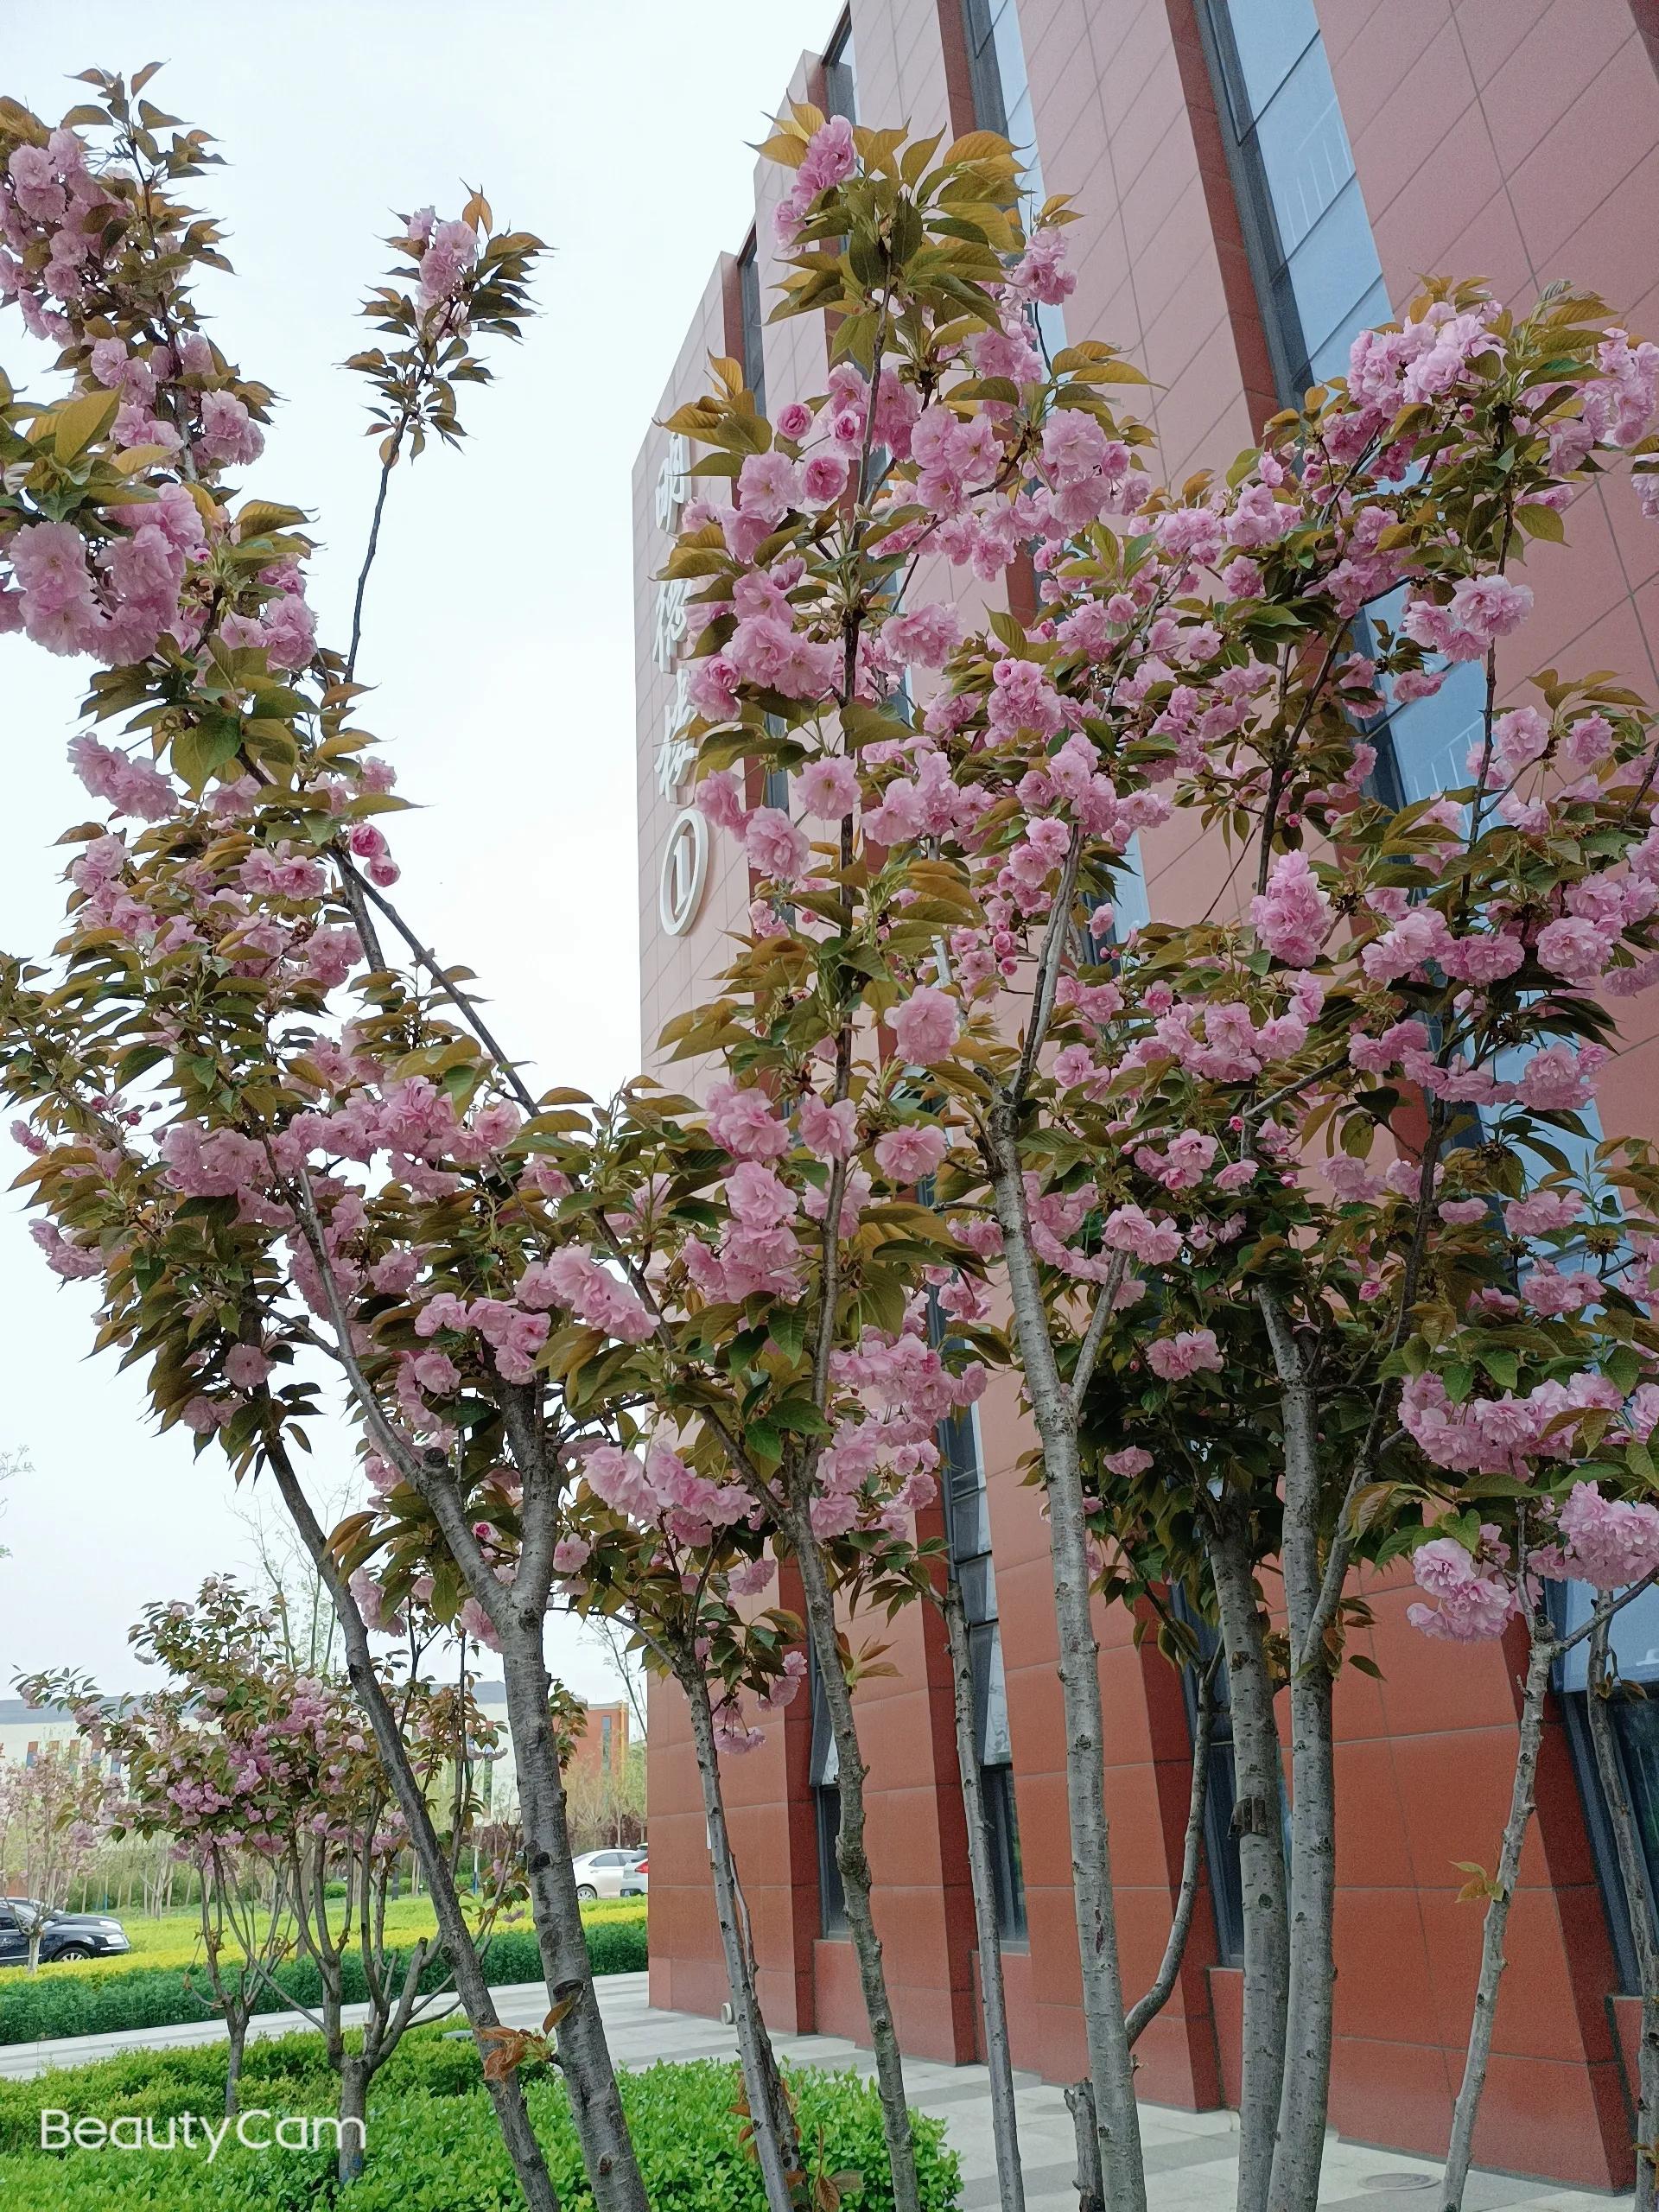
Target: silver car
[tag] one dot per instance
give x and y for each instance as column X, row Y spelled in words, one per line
column 600, row 1873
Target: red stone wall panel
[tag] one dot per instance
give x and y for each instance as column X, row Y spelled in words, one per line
column 1514, row 138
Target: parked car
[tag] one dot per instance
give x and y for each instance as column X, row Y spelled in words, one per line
column 637, row 1884
column 63, row 1934
column 601, row 1873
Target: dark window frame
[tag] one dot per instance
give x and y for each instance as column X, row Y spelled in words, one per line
column 841, row 71
column 751, row 321
column 822, row 1773
column 984, row 72
column 1575, row 1714
column 963, row 1488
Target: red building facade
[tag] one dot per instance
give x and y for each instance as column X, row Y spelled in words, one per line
column 1257, row 179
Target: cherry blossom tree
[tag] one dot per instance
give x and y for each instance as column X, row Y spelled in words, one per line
column 54, row 1811
column 264, row 1777
column 1142, row 1122
column 1308, row 1251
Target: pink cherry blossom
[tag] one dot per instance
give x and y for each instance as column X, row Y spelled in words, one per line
column 744, row 1119
column 910, row 1152
column 924, row 1026
column 1475, row 1603
column 774, row 844
column 1190, row 1351
column 827, row 789
column 1293, row 916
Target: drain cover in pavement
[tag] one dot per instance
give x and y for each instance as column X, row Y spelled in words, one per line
column 1404, row 2180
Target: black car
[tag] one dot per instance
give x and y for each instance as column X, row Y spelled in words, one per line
column 63, row 1934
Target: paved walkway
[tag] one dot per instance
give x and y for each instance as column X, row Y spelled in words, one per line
column 1191, row 2157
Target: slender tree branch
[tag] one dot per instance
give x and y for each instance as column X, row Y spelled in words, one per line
column 1186, row 1895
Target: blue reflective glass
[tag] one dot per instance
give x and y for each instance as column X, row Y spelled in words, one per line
column 1271, row 36
column 1634, row 1638
column 1432, row 737
column 1304, row 147
column 1331, row 360
column 1129, row 907
column 1333, row 269
column 840, row 78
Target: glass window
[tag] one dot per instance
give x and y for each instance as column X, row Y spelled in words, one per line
column 968, row 1528
column 1221, row 1797
column 1130, row 911
column 1633, row 1641
column 1002, row 91
column 1271, row 37
column 1330, row 272
column 984, row 68
column 1634, row 1650
column 1311, row 252
column 840, row 75
column 1304, row 147
column 754, row 356
column 825, row 1769
column 1006, row 1871
column 1330, row 358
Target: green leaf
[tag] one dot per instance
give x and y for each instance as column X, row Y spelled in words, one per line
column 74, row 425
column 801, row 1416
column 198, row 753
column 1623, row 1366
column 1460, row 1379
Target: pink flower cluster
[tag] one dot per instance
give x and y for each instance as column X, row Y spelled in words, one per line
column 829, row 160
column 661, row 1491
column 1475, row 1599
column 1189, row 1351
column 1292, row 916
column 572, row 1277
column 1503, row 1435
column 758, row 1254
column 879, row 1467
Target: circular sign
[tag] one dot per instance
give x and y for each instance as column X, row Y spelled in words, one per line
column 685, row 872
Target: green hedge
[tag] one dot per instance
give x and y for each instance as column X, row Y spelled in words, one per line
column 432, row 2142
column 49, row 2004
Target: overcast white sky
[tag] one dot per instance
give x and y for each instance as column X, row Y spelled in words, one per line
column 500, row 622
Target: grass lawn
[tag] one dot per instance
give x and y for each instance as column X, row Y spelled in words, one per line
column 175, row 1938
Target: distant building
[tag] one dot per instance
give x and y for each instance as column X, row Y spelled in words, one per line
column 27, row 1730
column 602, row 1748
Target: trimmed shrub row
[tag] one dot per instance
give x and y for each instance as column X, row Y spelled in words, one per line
column 176, row 1940
column 432, row 2140
column 59, row 2002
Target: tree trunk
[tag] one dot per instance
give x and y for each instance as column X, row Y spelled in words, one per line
column 1257, row 1825
column 1460, row 2151
column 1633, row 1879
column 1111, row 2067
column 507, row 2094
column 1304, row 2098
column 353, row 2118
column 855, row 1866
column 584, row 2053
column 1088, row 2184
column 1005, row 2130
column 236, row 2031
column 776, row 2150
